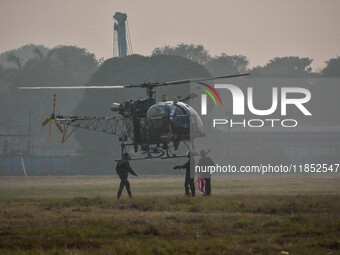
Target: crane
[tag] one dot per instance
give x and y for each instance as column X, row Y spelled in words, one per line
column 121, row 37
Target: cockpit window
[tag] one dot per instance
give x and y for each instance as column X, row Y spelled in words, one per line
column 176, row 110
column 157, row 110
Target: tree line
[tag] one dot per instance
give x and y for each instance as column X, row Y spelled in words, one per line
column 36, row 66
column 290, row 66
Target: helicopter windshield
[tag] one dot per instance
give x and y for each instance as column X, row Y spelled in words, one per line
column 177, row 118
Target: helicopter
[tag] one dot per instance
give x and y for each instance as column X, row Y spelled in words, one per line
column 154, row 128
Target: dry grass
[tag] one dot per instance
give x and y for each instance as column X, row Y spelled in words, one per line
column 79, row 215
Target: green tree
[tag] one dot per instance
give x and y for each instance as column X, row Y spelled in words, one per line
column 62, row 66
column 225, row 64
column 11, row 58
column 332, row 68
column 38, row 52
column 196, row 53
column 284, row 67
column 23, row 53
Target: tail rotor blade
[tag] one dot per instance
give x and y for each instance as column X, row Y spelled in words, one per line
column 46, row 121
column 54, row 98
column 58, row 126
column 52, row 115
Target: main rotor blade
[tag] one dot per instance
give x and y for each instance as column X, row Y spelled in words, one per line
column 141, row 85
column 73, row 87
column 203, row 79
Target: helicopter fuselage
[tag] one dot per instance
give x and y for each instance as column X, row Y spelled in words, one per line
column 150, row 123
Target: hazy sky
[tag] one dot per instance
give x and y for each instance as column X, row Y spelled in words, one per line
column 259, row 29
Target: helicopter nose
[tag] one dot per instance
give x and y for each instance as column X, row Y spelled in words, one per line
column 181, row 124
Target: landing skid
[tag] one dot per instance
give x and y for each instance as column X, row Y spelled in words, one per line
column 156, row 152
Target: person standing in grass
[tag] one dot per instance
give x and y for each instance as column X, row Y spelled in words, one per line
column 123, row 169
column 189, row 174
column 204, row 162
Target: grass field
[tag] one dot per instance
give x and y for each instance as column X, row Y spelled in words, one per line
column 80, row 215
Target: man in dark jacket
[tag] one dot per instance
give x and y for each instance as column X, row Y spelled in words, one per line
column 123, row 168
column 205, row 161
column 189, row 174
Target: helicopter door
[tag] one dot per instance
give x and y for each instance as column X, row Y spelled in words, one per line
column 143, row 126
column 136, row 130
column 158, row 119
column 140, row 130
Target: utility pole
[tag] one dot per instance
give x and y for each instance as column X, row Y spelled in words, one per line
column 29, row 144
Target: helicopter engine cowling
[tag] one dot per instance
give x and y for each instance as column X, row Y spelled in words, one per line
column 115, row 107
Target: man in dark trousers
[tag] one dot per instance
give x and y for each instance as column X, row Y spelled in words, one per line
column 189, row 174
column 205, row 161
column 123, row 168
